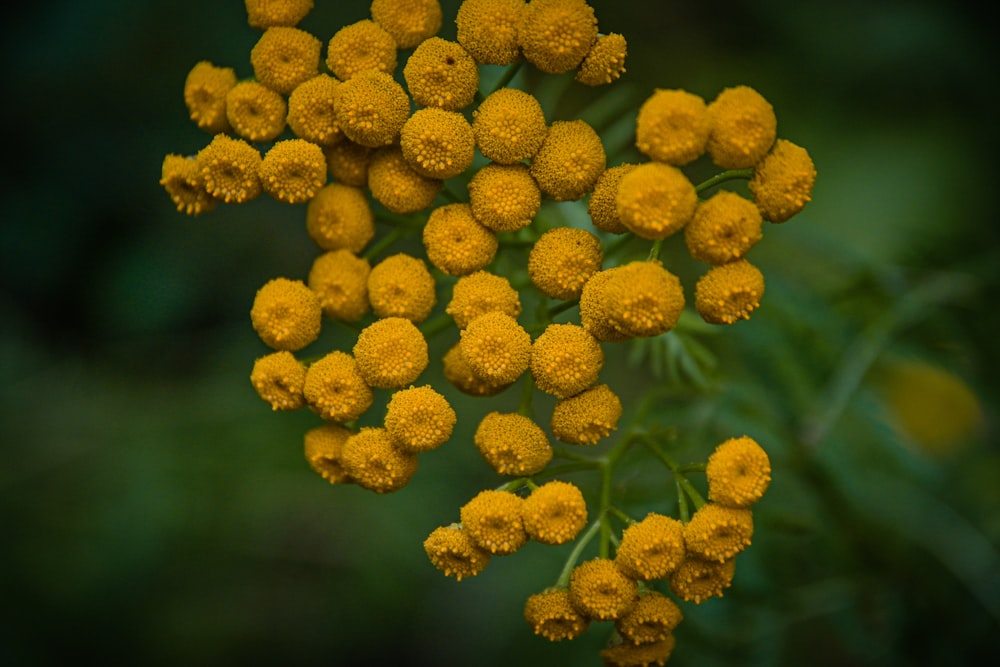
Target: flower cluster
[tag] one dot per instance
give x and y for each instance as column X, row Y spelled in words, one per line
column 369, row 128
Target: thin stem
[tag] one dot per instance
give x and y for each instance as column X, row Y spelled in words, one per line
column 578, row 548
column 527, row 393
column 722, row 177
column 621, row 515
column 376, row 249
column 436, row 326
column 560, row 307
column 606, row 478
column 507, row 76
column 682, row 503
column 654, row 252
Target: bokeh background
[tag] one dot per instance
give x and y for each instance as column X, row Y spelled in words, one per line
column 155, row 511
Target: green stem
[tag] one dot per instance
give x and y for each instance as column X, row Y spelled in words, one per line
column 436, row 326
column 682, row 503
column 507, row 76
column 578, row 548
column 384, row 242
column 654, row 252
column 730, row 175
column 684, row 486
column 626, row 519
column 527, row 393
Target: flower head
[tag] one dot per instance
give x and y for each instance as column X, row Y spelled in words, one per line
column 335, row 389
column 739, row 472
column 456, row 243
column 744, row 128
column 256, row 112
column 504, row 197
column 340, row 280
column 729, row 292
column 724, row 228
column 565, row 360
column 605, row 62
column 267, row 13
column 371, row 108
column 360, row 47
column 627, row 654
column 284, row 57
column 409, row 22
column 655, row 199
column 551, row 615
column 419, row 419
column 286, row 314
column 205, row 91
column 437, row 143
column 492, row 520
column 231, row 169
column 496, row 347
column 391, row 353
column 554, row 513
column 293, row 171
column 672, row 127
column 372, row 461
column 487, row 29
column 458, row 372
column 562, row 261
column 783, row 181
column 279, row 379
column 587, row 417
column 602, row 205
column 509, row 126
column 652, row 548
column 441, row 74
column 600, row 591
column 340, row 217
column 594, row 314
column 570, row 160
column 482, row 292
column 311, row 112
column 556, row 35
column 652, row 619
column 698, row 580
column 642, row 299
column 401, row 286
column 323, row 445
column 512, row 444
column 398, row 186
column 348, row 162
column 184, row 182
column 452, row 551
column 718, row 533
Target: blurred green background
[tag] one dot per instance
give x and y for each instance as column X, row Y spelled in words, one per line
column 157, row 512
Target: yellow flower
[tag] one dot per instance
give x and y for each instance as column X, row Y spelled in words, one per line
column 284, row 57
column 487, row 29
column 279, row 379
column 360, row 47
column 672, row 127
column 231, row 169
column 718, row 533
column 652, row 548
column 783, row 181
column 496, row 347
column 551, row 615
column 512, row 444
column 458, row 372
column 391, row 353
column 627, row 654
column 509, row 126
column 205, row 92
column 184, row 182
column 587, row 417
column 504, row 197
column 419, row 419
column 565, row 360
column 371, row 108
column 602, row 206
column 724, row 228
column 372, row 461
column 335, row 389
column 600, row 591
column 293, row 171
column 729, row 292
column 441, row 74
column 744, row 128
column 642, row 299
column 739, row 472
column 408, row 21
column 437, row 143
column 268, row 13
column 698, row 580
column 340, row 216
column 340, row 279
column 570, row 160
column 456, row 243
column 323, row 445
column 286, row 314
column 348, row 162
column 655, row 199
column 653, row 618
column 401, row 286
column 594, row 315
column 554, row 513
column 398, row 186
column 562, row 261
column 492, row 519
column 311, row 112
column 256, row 112
column 451, row 551
column 479, row 293
column 605, row 62
column 556, row 35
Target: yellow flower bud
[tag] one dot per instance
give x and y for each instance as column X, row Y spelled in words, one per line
column 556, row 35
column 437, row 143
column 509, row 126
column 340, row 217
column 601, row 591
column 286, row 314
column 409, row 22
column 372, row 461
column 401, row 286
column 724, row 228
column 551, row 615
column 587, row 417
column 441, row 74
column 492, row 519
column 256, row 112
column 205, row 91
column 487, row 29
column 729, row 292
column 562, row 261
column 311, row 112
column 456, row 243
column 673, row 127
column 605, row 62
column 184, row 182
column 360, row 47
column 284, row 57
column 512, row 444
column 335, row 389
column 391, row 353
column 231, row 169
column 655, row 199
column 322, row 448
column 570, row 160
column 280, row 379
column 744, row 128
column 452, row 551
column 783, row 181
column 293, row 171
column 267, row 13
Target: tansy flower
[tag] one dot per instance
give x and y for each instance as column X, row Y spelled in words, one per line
column 408, row 21
column 419, row 419
column 602, row 205
column 286, row 314
column 652, row 548
column 600, row 591
column 655, row 199
column 441, row 74
column 479, row 293
column 340, row 280
column 184, row 182
column 348, row 162
column 311, row 112
column 205, row 91
column 739, row 472
column 570, row 160
column 562, row 261
column 279, row 379
column 627, row 654
column 323, row 445
column 398, row 186
column 672, row 127
column 335, row 389
column 512, row 444
column 783, row 181
column 340, row 216
column 509, row 126
column 293, row 171
column 744, row 128
column 457, row 371
column 360, row 47
column 605, row 62
column 729, row 292
column 487, row 29
column 652, row 619
column 718, row 533
column 231, row 169
column 565, row 360
column 284, row 57
column 587, row 417
column 437, row 143
column 451, row 551
column 556, row 35
column 724, row 228
column 492, row 520
column 496, row 347
column 457, row 243
column 372, row 461
column 594, row 314
column 401, row 286
column 698, row 580
column 551, row 615
column 642, row 299
column 504, row 197
column 371, row 108
column 267, row 13
column 255, row 112
column 554, row 513
column 391, row 353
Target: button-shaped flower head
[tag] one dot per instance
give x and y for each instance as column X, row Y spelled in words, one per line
column 556, row 35
column 586, row 418
column 718, row 533
column 391, row 353
column 627, row 654
column 398, row 186
column 643, row 299
column 655, row 199
column 724, row 228
column 744, row 127
column 653, row 618
column 554, row 513
column 605, row 62
column 602, row 205
column 335, row 389
column 551, row 615
column 487, row 29
column 267, row 13
column 672, row 126
column 280, row 380
column 437, row 143
column 504, row 197
column 360, row 47
column 293, row 171
column 570, row 160
column 340, row 216
column 205, row 90
column 408, row 21
column 286, row 314
column 371, row 108
column 419, row 419
column 458, row 372
column 509, row 126
column 565, row 360
column 492, row 520
column 256, row 112
column 739, row 472
column 184, row 182
column 322, row 448
column 311, row 112
column 783, row 181
column 729, row 293
column 512, row 444
column 496, row 347
column 698, row 580
column 594, row 314
column 441, row 74
column 231, row 169
column 452, row 551
column 374, row 463
column 456, row 243
column 284, row 57
column 401, row 286
column 652, row 548
column 348, row 162
column 479, row 293
column 562, row 261
column 599, row 590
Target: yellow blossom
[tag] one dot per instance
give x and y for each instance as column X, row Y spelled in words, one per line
column 391, row 353
column 605, row 62
column 512, row 444
column 729, row 292
column 322, row 448
column 551, row 615
column 279, row 379
column 348, row 162
column 718, row 533
column 672, row 126
column 286, row 314
column 744, row 127
column 627, row 654
column 487, row 29
column 437, row 143
column 556, row 35
column 456, row 243
column 293, row 171
column 267, row 13
column 570, row 160
column 655, row 199
column 602, row 205
column 554, row 513
column 401, row 286
column 698, row 580
column 419, row 419
column 587, row 417
column 482, row 292
column 783, row 181
column 398, row 186
column 256, row 112
column 184, row 182
column 284, row 57
column 724, row 228
column 451, row 551
column 509, row 126
column 496, row 347
column 594, row 314
column 340, row 216
column 492, row 520
column 504, row 197
column 340, row 280
column 408, row 21
column 562, row 260
column 739, row 472
column 372, row 461
column 360, row 47
column 441, row 74
column 565, row 360
column 371, row 108
column 653, row 618
column 311, row 112
column 335, row 389
column 205, row 91
column 230, row 169
column 642, row 299
column 600, row 591
column 458, row 372
column 652, row 548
